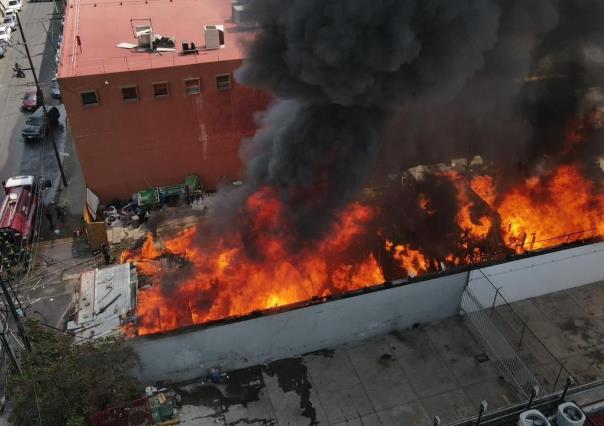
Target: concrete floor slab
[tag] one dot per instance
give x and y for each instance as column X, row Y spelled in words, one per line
column 427, row 371
column 381, row 374
column 498, row 394
column 582, row 370
column 194, row 415
column 293, row 397
column 338, row 386
column 368, row 420
column 411, row 414
column 590, row 298
column 331, row 370
column 258, row 412
column 470, row 371
column 558, row 305
column 452, row 339
column 581, row 332
column 345, row 404
column 559, row 347
column 450, row 406
column 596, row 358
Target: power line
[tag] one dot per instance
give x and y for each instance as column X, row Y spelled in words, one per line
column 42, row 103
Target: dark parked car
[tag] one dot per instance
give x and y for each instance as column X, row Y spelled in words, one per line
column 55, row 92
column 30, row 100
column 2, row 50
column 36, row 124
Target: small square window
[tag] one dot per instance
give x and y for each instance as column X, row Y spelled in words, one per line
column 89, row 98
column 223, row 82
column 160, row 90
column 192, row 86
column 129, row 94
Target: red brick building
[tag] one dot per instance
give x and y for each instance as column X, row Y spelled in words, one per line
column 143, row 118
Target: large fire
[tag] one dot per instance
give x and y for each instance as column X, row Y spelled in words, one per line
column 230, row 276
column 228, row 281
column 549, row 210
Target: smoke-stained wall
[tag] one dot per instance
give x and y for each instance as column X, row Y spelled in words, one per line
column 190, row 353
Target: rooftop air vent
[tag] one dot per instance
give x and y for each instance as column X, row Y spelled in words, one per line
column 242, row 13
column 143, row 35
column 214, row 36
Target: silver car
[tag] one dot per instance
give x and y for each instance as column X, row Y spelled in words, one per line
column 10, row 22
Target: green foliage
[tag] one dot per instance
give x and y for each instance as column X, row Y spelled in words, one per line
column 70, row 382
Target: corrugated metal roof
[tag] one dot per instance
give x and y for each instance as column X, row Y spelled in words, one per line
column 106, row 298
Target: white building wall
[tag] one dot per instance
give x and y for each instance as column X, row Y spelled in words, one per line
column 538, row 275
column 190, row 353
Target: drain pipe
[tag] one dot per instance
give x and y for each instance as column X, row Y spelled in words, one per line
column 483, row 407
column 534, row 393
column 569, row 382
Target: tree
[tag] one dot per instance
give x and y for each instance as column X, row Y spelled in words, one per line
column 66, row 383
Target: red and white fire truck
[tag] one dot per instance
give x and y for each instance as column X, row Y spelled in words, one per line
column 18, row 217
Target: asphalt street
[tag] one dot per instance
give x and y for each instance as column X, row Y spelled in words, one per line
column 42, row 26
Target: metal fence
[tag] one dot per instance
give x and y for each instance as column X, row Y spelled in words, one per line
column 520, row 353
column 479, row 320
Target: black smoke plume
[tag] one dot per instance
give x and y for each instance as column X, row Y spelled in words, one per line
column 340, row 69
column 402, row 82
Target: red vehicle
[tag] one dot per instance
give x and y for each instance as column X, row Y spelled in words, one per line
column 30, row 100
column 17, row 216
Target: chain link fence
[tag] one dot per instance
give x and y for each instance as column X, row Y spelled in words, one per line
column 519, row 352
column 506, row 358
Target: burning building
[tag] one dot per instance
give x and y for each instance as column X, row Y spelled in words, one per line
column 334, row 203
column 364, row 249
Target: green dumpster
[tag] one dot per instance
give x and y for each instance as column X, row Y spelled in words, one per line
column 148, row 198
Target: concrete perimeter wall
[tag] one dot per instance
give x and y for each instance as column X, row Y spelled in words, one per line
column 190, row 353
column 535, row 276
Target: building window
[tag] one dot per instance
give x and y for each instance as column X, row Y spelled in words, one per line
column 89, row 98
column 160, row 90
column 223, row 82
column 129, row 94
column 192, row 86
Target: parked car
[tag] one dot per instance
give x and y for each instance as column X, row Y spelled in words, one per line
column 16, row 5
column 2, row 50
column 30, row 100
column 5, row 34
column 10, row 13
column 37, row 124
column 10, row 22
column 55, row 91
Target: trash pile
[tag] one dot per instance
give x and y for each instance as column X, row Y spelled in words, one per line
column 131, row 213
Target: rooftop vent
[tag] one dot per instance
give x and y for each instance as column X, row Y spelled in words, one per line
column 242, row 12
column 214, row 36
column 143, row 35
column 188, row 49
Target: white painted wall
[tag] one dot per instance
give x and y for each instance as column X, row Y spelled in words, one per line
column 538, row 275
column 188, row 354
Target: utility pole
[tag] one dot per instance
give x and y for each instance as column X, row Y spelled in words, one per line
column 11, row 305
column 43, row 104
column 10, row 353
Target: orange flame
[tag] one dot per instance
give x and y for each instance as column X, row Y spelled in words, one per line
column 413, row 261
column 226, row 282
column 475, row 228
column 548, row 211
column 224, row 277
